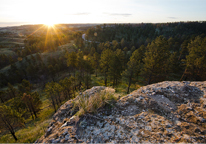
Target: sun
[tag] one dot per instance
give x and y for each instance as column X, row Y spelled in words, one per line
column 49, row 24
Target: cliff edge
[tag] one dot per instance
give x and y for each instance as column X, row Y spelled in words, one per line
column 168, row 111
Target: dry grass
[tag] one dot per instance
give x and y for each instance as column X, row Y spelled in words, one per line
column 33, row 129
column 28, row 134
column 90, row 104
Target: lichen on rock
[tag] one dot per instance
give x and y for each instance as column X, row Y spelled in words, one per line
column 169, row 111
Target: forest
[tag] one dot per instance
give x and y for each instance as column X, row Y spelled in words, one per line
column 56, row 63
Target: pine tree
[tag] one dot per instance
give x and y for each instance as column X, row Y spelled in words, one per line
column 156, row 60
column 116, row 66
column 66, row 87
column 72, row 60
column 49, row 89
column 25, row 86
column 196, row 60
column 2, row 96
column 95, row 62
column 57, row 90
column 10, row 120
column 32, row 102
column 133, row 67
column 12, row 90
column 106, row 57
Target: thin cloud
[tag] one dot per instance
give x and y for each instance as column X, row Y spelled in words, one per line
column 84, row 13
column 81, row 13
column 172, row 17
column 118, row 14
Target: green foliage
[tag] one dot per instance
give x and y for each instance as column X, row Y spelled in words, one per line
column 196, row 60
column 66, row 85
column 12, row 91
column 25, row 86
column 95, row 62
column 116, row 66
column 155, row 61
column 106, row 58
column 134, row 66
column 33, row 103
column 10, row 119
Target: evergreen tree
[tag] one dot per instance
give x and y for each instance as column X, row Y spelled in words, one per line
column 25, row 86
column 133, row 67
column 2, row 96
column 10, row 120
column 196, row 60
column 106, row 57
column 155, row 61
column 66, row 87
column 116, row 66
column 12, row 90
column 95, row 62
column 57, row 90
column 32, row 102
column 72, row 60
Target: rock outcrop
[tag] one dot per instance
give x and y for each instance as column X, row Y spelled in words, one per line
column 169, row 111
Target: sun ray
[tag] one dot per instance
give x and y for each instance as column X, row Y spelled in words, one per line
column 46, row 37
column 35, row 31
column 56, row 31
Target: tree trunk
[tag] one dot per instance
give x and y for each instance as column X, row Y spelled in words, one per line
column 53, row 79
column 34, row 112
column 13, row 134
column 96, row 72
column 57, row 101
column 183, row 75
column 2, row 100
column 53, row 103
column 149, row 80
column 74, row 71
column 113, row 82
column 80, row 85
column 129, row 85
column 10, row 128
column 59, row 98
column 105, row 79
column 30, row 112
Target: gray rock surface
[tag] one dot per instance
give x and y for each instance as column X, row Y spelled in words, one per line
column 169, row 111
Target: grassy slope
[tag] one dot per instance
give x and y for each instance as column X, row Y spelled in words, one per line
column 36, row 128
column 33, row 128
column 45, row 55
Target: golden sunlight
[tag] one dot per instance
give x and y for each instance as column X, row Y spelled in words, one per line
column 49, row 24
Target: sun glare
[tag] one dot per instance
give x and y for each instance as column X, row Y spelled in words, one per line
column 49, row 24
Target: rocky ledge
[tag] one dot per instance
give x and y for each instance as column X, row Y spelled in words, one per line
column 169, row 111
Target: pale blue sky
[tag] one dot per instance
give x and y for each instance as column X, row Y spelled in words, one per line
column 16, row 12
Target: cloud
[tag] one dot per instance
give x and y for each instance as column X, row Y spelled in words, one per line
column 172, row 17
column 118, row 14
column 81, row 13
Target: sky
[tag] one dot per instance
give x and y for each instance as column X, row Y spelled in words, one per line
column 18, row 12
